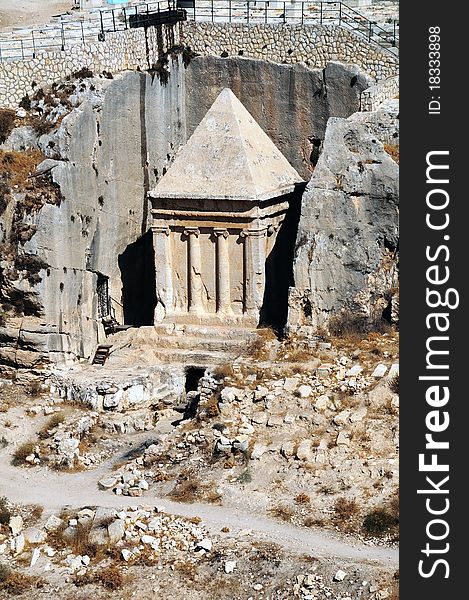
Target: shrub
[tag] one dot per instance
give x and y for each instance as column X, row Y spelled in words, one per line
column 4, row 511
column 34, row 388
column 283, row 512
column 379, row 522
column 20, row 454
column 394, row 384
column 25, row 102
column 7, row 121
column 345, row 513
column 302, row 498
column 349, row 325
column 41, row 126
column 36, row 513
column 84, row 73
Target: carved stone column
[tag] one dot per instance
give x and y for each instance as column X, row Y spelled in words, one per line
column 163, row 272
column 223, row 271
column 254, row 270
column 194, row 271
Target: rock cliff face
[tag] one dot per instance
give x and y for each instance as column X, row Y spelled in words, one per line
column 347, row 243
column 291, row 103
column 103, row 158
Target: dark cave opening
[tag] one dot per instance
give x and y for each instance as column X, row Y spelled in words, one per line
column 279, row 267
column 193, row 376
column 136, row 265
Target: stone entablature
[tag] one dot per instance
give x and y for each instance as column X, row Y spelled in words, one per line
column 211, row 249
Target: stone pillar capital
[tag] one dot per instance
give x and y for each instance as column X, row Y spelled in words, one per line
column 188, row 231
column 221, row 231
column 161, row 229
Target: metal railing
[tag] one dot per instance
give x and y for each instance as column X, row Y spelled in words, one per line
column 86, row 28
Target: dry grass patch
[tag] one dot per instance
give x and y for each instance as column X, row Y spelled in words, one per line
column 282, row 512
column 257, row 348
column 393, row 151
column 19, row 166
column 225, row 371
column 52, row 423
column 15, row 583
column 22, row 452
column 190, row 489
column 110, row 577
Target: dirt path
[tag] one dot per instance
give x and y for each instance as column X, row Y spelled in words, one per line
column 16, row 13
column 55, row 490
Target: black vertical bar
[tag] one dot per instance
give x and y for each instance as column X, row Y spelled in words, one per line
column 34, row 45
column 212, row 11
column 63, row 37
column 113, row 20
column 22, row 49
column 125, row 17
column 82, row 33
column 321, row 14
column 101, row 19
column 284, row 12
column 230, row 9
column 302, row 12
column 370, row 31
column 248, row 12
column 340, row 13
column 265, row 5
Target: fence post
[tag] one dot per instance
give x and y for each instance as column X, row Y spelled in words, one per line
column 101, row 19
column 113, row 20
column 302, row 12
column 212, row 12
column 82, row 33
column 321, row 15
column 22, row 50
column 284, row 12
column 394, row 33
column 340, row 13
column 229, row 11
column 34, row 45
column 63, row 37
column 248, row 12
column 125, row 17
column 370, row 31
column 265, row 6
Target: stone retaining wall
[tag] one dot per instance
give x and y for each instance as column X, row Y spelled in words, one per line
column 314, row 45
column 378, row 93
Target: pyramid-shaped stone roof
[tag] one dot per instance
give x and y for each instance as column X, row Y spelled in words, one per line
column 228, row 157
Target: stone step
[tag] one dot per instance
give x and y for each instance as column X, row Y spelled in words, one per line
column 190, row 342
column 231, row 332
column 197, row 358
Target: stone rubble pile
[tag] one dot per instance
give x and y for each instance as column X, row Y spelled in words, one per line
column 134, row 531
